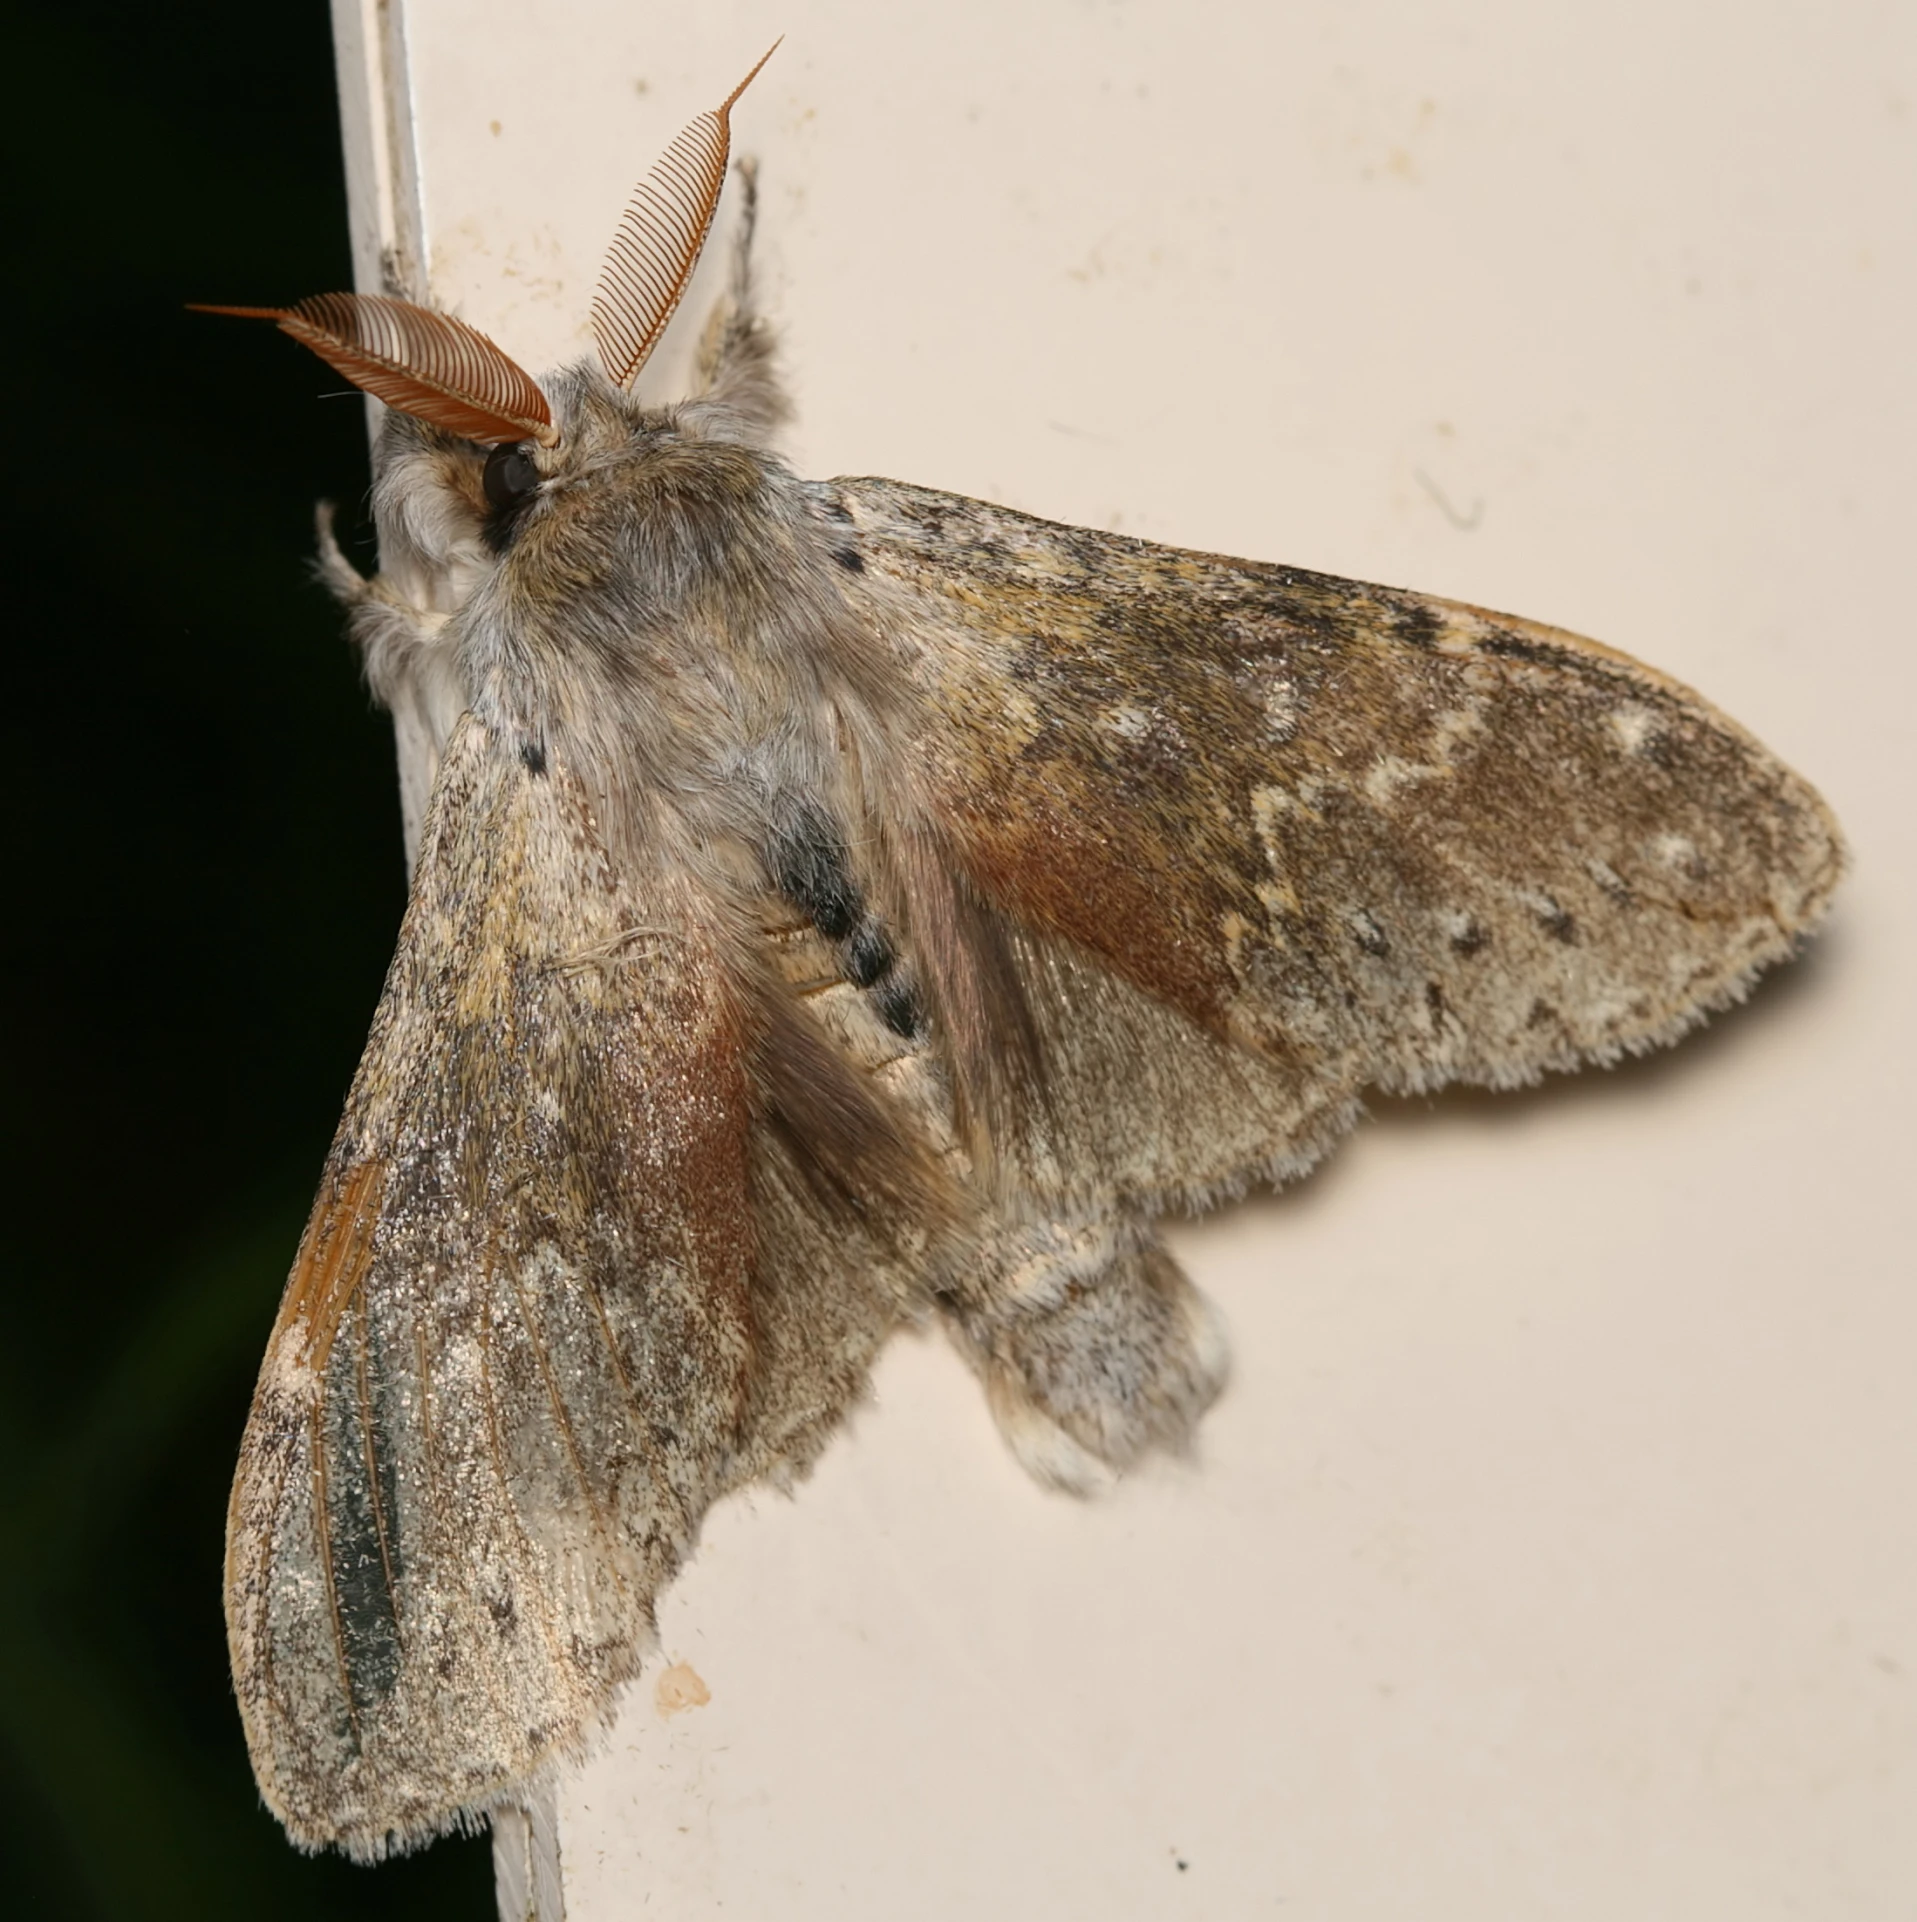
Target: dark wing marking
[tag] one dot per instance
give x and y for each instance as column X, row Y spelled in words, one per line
column 1372, row 837
column 559, row 1290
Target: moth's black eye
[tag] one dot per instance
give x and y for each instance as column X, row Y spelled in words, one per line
column 510, row 475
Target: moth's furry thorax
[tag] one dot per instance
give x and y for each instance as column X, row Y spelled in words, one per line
column 664, row 612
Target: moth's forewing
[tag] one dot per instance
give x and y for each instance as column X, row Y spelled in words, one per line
column 511, row 1363
column 1376, row 838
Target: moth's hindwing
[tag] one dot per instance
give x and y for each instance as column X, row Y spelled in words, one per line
column 1371, row 837
column 521, row 1350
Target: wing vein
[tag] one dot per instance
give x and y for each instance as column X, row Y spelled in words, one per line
column 562, row 1418
column 655, row 1470
column 370, row 1452
column 322, row 1520
column 497, row 1454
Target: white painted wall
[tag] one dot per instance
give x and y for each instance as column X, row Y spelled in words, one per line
column 1554, row 1552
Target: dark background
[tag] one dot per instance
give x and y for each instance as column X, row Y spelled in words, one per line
column 204, row 876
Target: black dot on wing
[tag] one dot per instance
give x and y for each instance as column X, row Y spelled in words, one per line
column 850, row 559
column 533, row 754
column 1663, row 749
column 1370, row 937
column 1558, row 924
column 1417, row 624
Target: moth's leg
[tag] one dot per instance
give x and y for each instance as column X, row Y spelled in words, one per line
column 409, row 666
column 1092, row 1345
column 738, row 350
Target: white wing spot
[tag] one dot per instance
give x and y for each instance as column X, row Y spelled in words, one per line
column 1280, row 903
column 1635, row 727
column 1548, row 909
column 1388, row 774
column 1267, row 804
column 1608, row 878
column 1276, row 692
column 1130, row 723
column 1370, row 936
column 1454, row 725
column 1021, row 712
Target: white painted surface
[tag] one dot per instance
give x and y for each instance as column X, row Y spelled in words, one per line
column 1554, row 1552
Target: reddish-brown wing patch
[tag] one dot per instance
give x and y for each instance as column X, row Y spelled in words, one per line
column 332, row 1262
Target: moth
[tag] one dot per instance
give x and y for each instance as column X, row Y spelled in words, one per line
column 841, row 904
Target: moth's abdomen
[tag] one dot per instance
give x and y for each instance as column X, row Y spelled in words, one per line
column 811, row 867
column 862, row 1023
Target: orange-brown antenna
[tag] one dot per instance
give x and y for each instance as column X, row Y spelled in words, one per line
column 660, row 237
column 418, row 361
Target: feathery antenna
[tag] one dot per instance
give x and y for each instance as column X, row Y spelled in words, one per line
column 418, row 361
column 660, row 237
